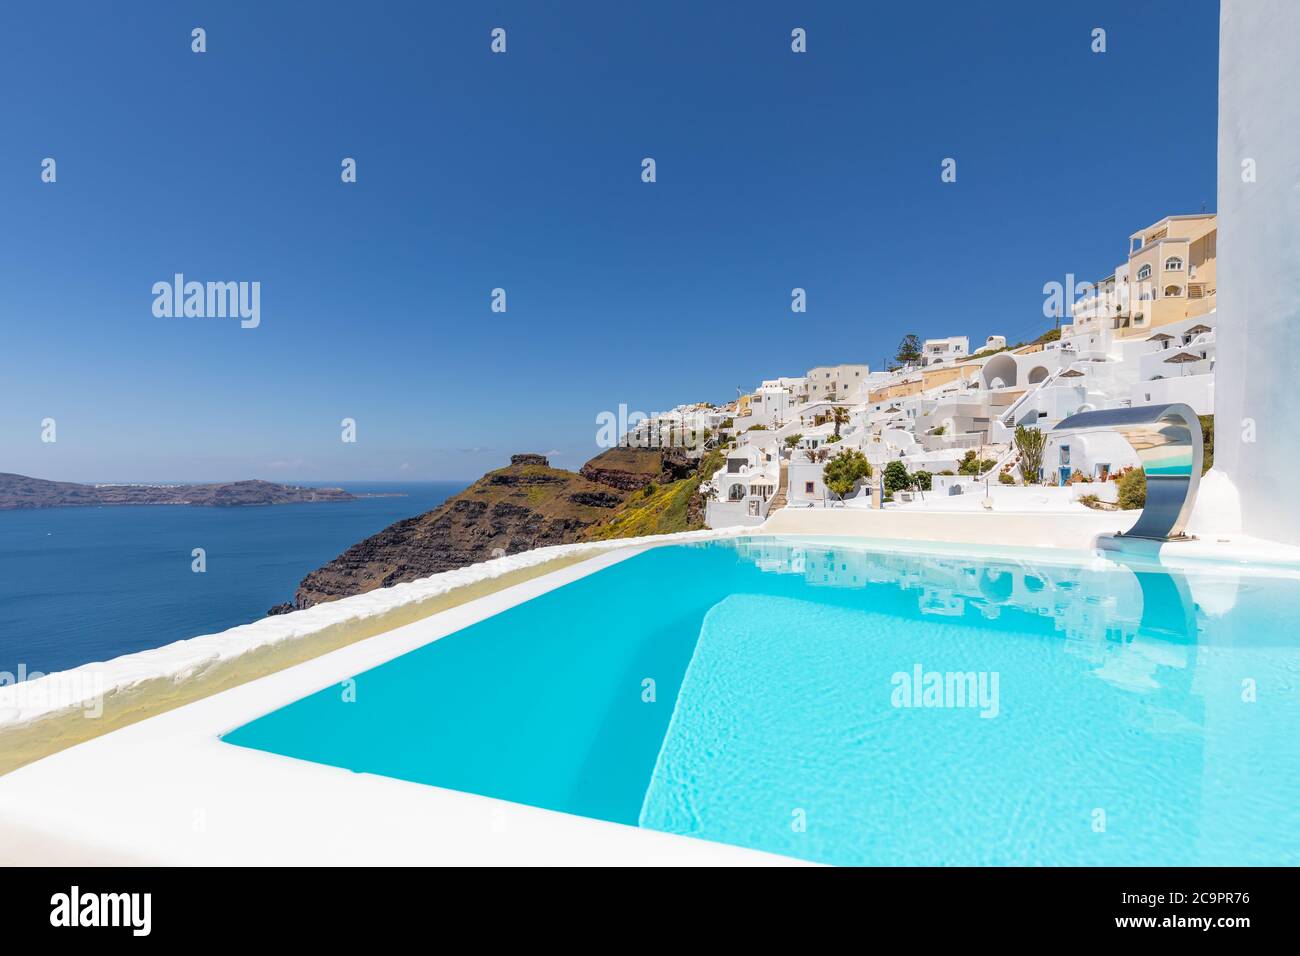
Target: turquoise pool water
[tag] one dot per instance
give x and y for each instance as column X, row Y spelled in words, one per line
column 849, row 705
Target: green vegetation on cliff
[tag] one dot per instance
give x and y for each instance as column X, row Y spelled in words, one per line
column 661, row 508
column 623, row 492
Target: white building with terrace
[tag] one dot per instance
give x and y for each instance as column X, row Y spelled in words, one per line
column 940, row 351
column 743, row 487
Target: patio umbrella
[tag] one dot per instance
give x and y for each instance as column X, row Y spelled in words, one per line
column 1182, row 358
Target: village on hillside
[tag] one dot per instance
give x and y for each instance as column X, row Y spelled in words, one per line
column 948, row 428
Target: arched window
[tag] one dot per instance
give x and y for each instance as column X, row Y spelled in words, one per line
column 1174, row 264
column 1144, row 272
column 1172, row 290
column 735, row 492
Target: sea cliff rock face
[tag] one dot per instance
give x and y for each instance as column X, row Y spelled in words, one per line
column 526, row 505
column 631, row 469
column 530, row 460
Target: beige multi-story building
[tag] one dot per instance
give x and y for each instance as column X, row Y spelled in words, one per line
column 1169, row 276
column 834, row 382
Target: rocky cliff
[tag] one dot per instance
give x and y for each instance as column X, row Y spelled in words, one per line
column 526, row 505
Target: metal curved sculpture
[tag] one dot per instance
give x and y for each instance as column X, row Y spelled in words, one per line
column 1167, row 439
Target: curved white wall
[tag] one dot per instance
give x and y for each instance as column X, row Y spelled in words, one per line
column 1259, row 264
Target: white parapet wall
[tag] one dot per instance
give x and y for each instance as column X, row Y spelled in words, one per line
column 55, row 711
column 1257, row 442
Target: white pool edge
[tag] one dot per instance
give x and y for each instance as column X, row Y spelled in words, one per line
column 167, row 790
column 90, row 685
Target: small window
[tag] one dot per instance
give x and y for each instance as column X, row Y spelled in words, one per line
column 1144, row 272
column 808, row 487
column 1172, row 290
column 1174, row 264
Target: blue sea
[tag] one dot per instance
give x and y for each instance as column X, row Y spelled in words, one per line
column 89, row 584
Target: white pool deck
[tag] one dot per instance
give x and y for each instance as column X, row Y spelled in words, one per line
column 167, row 790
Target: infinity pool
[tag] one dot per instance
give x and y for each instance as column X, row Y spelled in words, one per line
column 845, row 704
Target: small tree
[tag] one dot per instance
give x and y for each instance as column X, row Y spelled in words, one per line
column 843, row 472
column 840, row 416
column 922, row 480
column 792, row 440
column 1030, row 443
column 896, row 477
column 909, row 350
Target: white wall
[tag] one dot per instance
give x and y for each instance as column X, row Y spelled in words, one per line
column 1194, row 390
column 1258, row 251
column 801, row 472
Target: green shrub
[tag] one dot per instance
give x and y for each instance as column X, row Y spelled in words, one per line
column 1207, row 441
column 922, row 479
column 1006, row 479
column 970, row 465
column 1133, row 489
column 896, row 477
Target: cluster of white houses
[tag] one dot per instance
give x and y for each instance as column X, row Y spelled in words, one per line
column 1140, row 336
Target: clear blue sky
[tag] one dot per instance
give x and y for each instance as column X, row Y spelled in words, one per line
column 775, row 170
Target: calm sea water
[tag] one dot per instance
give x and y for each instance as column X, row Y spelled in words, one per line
column 89, row 584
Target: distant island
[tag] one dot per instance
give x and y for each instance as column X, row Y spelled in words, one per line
column 20, row 491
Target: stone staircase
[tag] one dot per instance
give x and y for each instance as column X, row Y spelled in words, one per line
column 779, row 499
